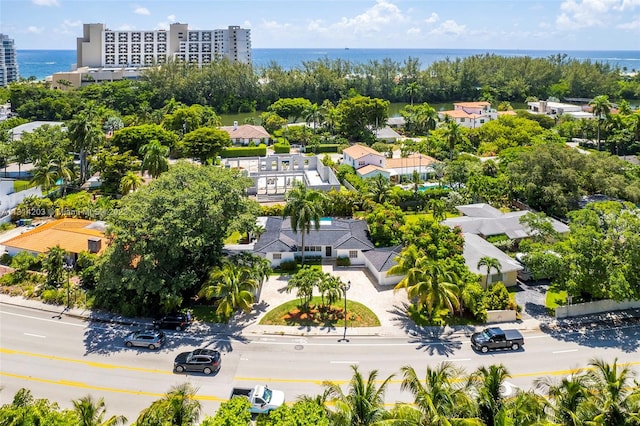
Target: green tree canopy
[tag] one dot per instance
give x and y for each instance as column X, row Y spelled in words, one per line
column 205, row 143
column 168, row 235
column 134, row 137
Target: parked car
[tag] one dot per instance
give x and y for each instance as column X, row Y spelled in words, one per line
column 496, row 338
column 176, row 322
column 261, row 398
column 206, row 361
column 151, row 339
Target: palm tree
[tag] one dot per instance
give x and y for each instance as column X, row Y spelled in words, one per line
column 600, row 106
column 363, row 404
column 379, row 189
column 432, row 285
column 235, row 286
column 488, row 384
column 566, row 397
column 92, row 413
column 304, row 207
column 613, row 399
column 154, row 159
column 177, row 408
column 489, row 263
column 442, row 398
column 45, row 174
column 453, row 134
column 407, row 259
column 438, row 209
column 412, row 89
column 86, row 134
column 130, row 182
column 524, row 409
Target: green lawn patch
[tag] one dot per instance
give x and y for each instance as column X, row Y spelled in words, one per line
column 233, row 238
column 206, row 313
column 555, row 298
column 21, row 185
column 290, row 314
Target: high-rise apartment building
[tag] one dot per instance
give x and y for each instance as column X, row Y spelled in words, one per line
column 100, row 47
column 8, row 61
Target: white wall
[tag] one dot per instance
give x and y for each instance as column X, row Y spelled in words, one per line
column 595, row 307
column 502, row 315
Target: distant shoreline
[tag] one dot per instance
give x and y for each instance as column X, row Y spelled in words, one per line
column 41, row 63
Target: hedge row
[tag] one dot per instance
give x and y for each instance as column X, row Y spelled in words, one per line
column 325, row 147
column 282, row 148
column 244, row 151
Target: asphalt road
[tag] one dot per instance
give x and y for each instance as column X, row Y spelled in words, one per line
column 65, row 358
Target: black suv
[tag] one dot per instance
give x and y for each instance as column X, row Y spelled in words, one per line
column 176, row 322
column 206, row 361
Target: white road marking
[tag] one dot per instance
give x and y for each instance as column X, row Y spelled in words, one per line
column 244, row 359
column 460, row 359
column 44, row 319
column 35, row 335
column 344, row 362
column 565, row 351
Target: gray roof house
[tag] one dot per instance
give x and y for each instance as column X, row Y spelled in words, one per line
column 476, row 247
column 336, row 237
column 485, row 220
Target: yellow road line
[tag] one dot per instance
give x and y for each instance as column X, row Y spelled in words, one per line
column 81, row 361
column 81, row 385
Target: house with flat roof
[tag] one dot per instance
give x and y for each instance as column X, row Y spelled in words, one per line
column 73, row 235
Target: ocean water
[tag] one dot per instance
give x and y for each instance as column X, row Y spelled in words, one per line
column 42, row 63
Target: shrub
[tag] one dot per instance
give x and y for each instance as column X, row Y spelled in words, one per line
column 249, row 151
column 275, row 210
column 343, row 261
column 498, row 297
column 309, row 259
column 282, row 147
column 54, row 296
column 288, row 265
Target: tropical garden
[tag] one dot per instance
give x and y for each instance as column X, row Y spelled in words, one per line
column 600, row 394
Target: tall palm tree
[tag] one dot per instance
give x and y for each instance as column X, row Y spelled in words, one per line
column 412, row 90
column 91, row 413
column 432, row 285
column 490, row 263
column 304, row 206
column 130, row 182
column 235, row 286
column 566, row 397
column 406, row 260
column 86, row 134
column 524, row 409
column 177, row 408
column 488, row 383
column 154, row 159
column 363, row 404
column 442, row 398
column 614, row 400
column 453, row 133
column 600, row 106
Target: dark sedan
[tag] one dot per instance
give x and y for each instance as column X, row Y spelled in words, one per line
column 204, row 361
column 176, row 322
column 151, row 339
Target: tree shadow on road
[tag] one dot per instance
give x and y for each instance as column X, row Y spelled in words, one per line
column 613, row 330
column 432, row 339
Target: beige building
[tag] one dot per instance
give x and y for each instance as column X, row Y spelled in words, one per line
column 100, row 47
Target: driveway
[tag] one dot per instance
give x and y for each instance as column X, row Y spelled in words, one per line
column 383, row 301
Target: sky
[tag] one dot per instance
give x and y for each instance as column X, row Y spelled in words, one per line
column 420, row 24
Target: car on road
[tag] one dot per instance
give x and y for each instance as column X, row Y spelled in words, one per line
column 202, row 360
column 493, row 338
column 176, row 322
column 152, row 339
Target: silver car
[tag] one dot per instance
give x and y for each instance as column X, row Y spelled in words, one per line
column 151, row 339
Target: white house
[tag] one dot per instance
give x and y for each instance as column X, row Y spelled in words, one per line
column 358, row 156
column 470, row 114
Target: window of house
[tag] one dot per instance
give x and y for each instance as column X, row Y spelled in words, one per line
column 353, row 254
column 462, row 120
column 360, row 163
column 482, row 121
column 277, row 256
column 494, row 278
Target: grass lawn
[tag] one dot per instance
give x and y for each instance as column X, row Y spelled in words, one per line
column 206, row 314
column 233, row 238
column 289, row 314
column 554, row 299
column 21, row 185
